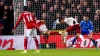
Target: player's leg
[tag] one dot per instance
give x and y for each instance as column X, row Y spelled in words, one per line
column 74, row 40
column 65, row 33
column 78, row 31
column 45, row 33
column 34, row 34
column 26, row 34
column 81, row 36
column 94, row 42
column 45, row 36
column 64, row 36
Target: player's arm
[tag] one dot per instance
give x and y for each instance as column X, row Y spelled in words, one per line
column 55, row 23
column 91, row 28
column 19, row 19
column 81, row 24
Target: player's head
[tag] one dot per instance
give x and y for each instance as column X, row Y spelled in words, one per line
column 86, row 17
column 61, row 20
column 25, row 8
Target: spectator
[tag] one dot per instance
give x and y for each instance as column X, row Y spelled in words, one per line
column 56, row 1
column 74, row 10
column 36, row 5
column 11, row 16
column 43, row 8
column 44, row 16
column 29, row 5
column 79, row 6
column 51, row 12
column 76, row 2
column 64, row 3
column 96, row 23
column 7, row 21
column 68, row 4
column 1, row 10
column 76, row 17
column 96, row 5
column 58, row 15
column 84, row 7
column 97, row 12
column 37, row 8
column 80, row 15
column 62, row 10
column 56, row 8
column 49, row 4
column 6, row 16
column 81, row 2
column 67, row 12
column 89, row 12
column 8, row 2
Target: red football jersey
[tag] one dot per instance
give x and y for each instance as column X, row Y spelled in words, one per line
column 40, row 22
column 29, row 20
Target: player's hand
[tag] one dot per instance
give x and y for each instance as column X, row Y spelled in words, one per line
column 90, row 31
column 12, row 31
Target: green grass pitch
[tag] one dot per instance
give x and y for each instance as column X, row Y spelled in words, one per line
column 53, row 52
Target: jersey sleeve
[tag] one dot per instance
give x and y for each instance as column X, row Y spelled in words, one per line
column 19, row 19
column 55, row 23
column 91, row 26
column 81, row 24
column 65, row 20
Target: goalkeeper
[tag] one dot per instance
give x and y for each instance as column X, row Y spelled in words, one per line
column 87, row 28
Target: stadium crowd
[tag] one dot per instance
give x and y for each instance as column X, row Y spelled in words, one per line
column 6, row 17
column 50, row 10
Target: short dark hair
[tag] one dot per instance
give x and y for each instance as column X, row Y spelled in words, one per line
column 86, row 15
column 61, row 18
column 25, row 8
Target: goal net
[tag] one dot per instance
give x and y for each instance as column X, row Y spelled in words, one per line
column 51, row 10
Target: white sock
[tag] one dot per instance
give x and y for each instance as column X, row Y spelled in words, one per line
column 65, row 36
column 82, row 38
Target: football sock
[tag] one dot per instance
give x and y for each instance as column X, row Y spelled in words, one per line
column 36, row 42
column 25, row 43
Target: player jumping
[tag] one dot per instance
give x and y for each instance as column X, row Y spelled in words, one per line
column 43, row 29
column 30, row 28
column 73, row 25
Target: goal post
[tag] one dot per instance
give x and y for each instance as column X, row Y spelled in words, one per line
column 25, row 2
column 18, row 8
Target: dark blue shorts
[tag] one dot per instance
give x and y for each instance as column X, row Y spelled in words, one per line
column 83, row 32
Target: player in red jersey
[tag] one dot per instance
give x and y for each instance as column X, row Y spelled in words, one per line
column 43, row 29
column 42, row 26
column 30, row 27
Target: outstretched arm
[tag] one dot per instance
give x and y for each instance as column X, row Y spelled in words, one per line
column 19, row 19
column 55, row 23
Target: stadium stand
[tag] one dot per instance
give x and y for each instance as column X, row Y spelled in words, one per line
column 50, row 10
column 6, row 16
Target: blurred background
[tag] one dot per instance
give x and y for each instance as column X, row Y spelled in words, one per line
column 48, row 10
